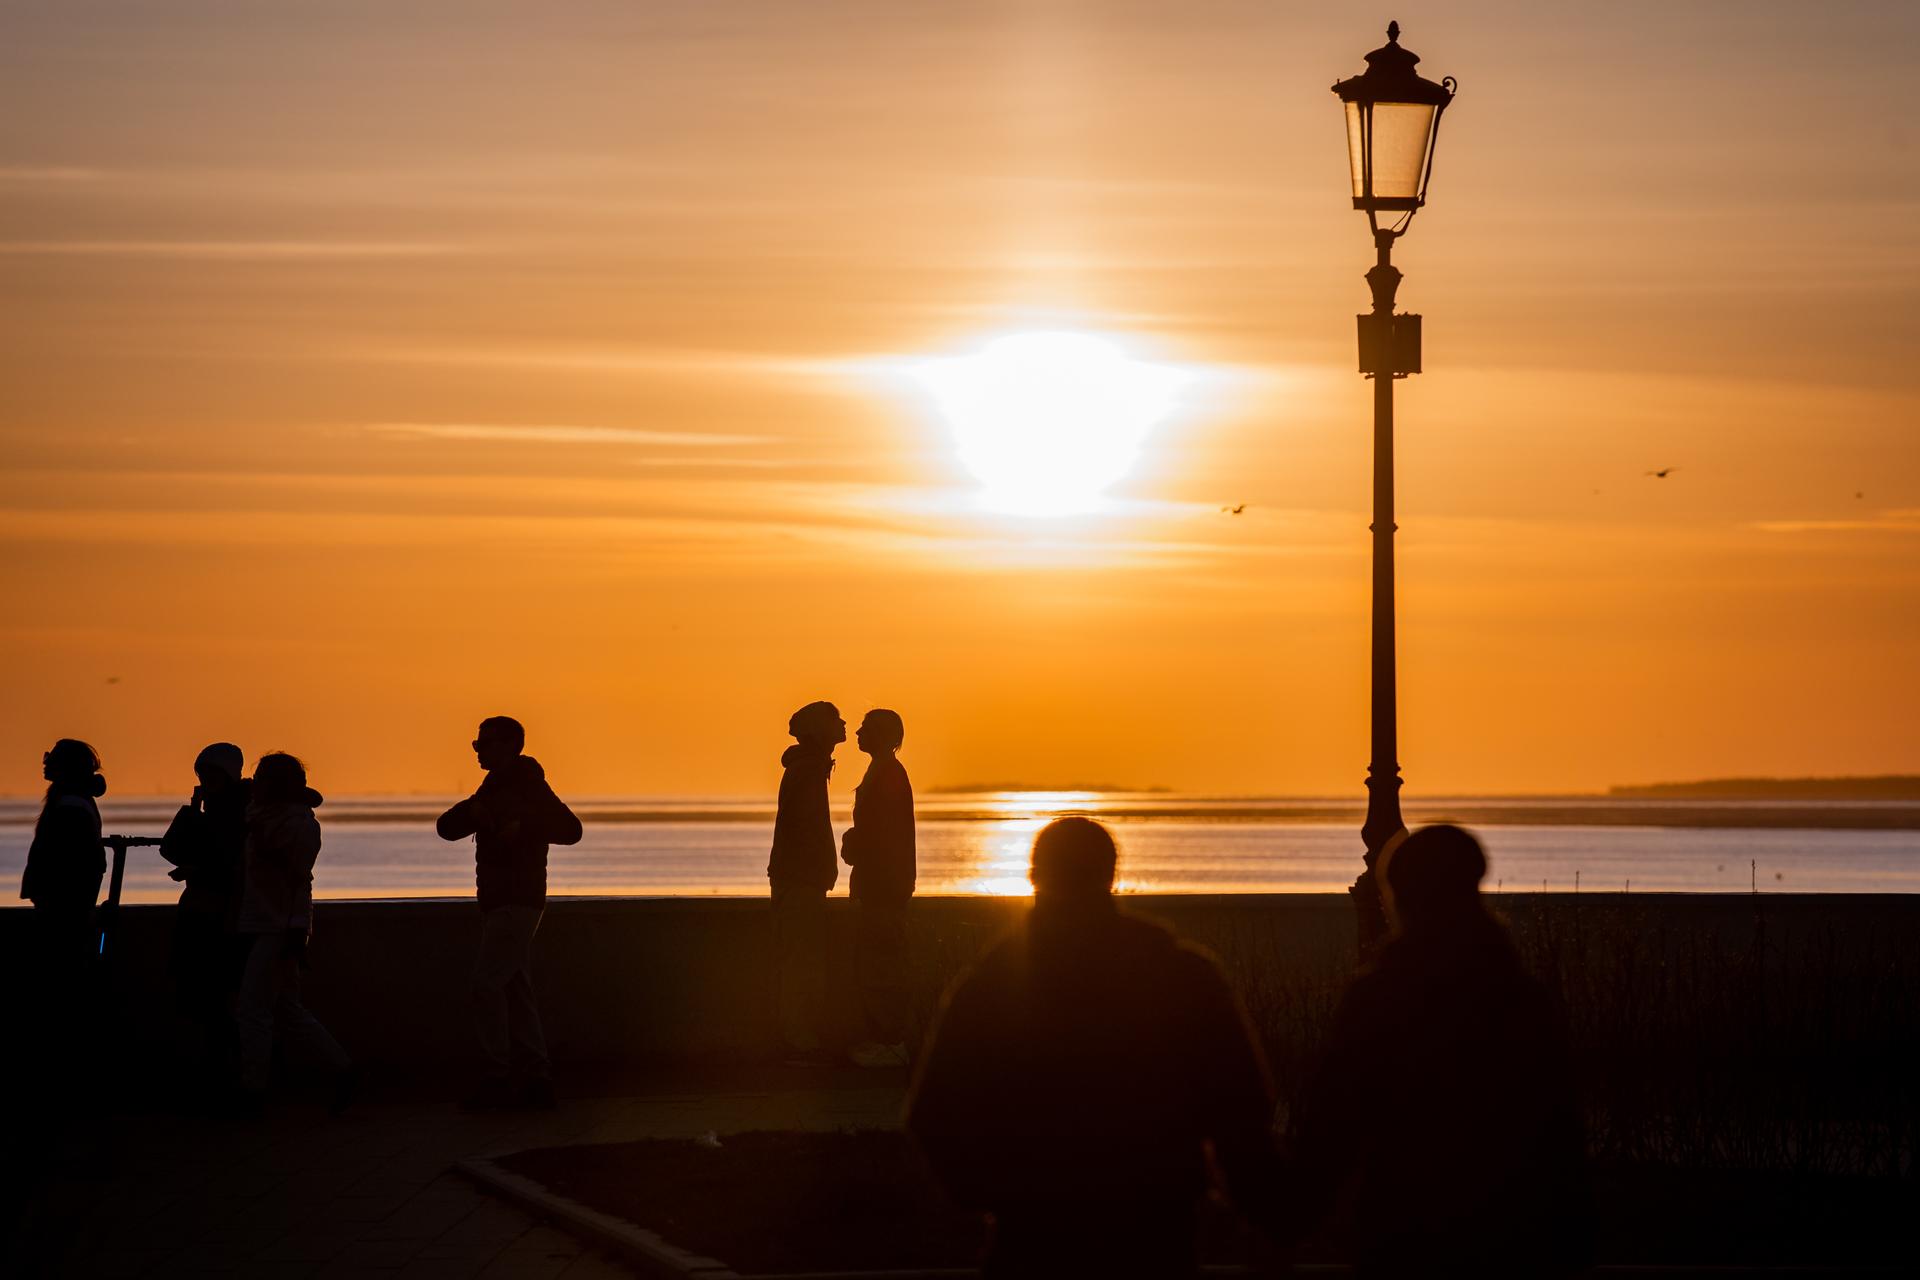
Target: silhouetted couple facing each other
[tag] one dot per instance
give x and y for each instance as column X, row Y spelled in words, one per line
column 513, row 818
column 802, row 869
column 1083, row 1071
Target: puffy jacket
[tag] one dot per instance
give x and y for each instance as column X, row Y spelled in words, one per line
column 283, row 842
column 513, row 818
column 803, row 857
column 209, row 846
column 65, row 861
column 879, row 846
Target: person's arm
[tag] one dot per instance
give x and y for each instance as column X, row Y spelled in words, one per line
column 460, row 821
column 185, row 841
column 563, row 827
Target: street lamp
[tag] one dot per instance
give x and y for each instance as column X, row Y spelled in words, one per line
column 1393, row 117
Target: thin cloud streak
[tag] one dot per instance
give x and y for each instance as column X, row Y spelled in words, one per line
column 234, row 250
column 563, row 434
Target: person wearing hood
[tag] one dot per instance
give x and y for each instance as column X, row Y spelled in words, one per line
column 65, row 862
column 207, row 844
column 1445, row 1092
column 879, row 847
column 1079, row 1075
column 801, row 871
column 513, row 818
column 276, row 917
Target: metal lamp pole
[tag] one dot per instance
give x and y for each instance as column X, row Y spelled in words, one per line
column 1393, row 118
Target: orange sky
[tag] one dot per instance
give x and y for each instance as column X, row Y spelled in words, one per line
column 366, row 369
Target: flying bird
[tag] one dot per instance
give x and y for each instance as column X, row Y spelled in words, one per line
column 1663, row 472
column 113, row 679
column 1234, row 510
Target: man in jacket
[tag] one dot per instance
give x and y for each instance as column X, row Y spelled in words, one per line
column 206, row 843
column 1079, row 1074
column 801, row 869
column 1445, row 1092
column 879, row 847
column 513, row 818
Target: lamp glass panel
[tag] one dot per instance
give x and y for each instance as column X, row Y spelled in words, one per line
column 1401, row 133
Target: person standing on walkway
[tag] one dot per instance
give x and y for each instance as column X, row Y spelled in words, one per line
column 65, row 864
column 276, row 915
column 207, row 845
column 1445, row 1092
column 801, row 870
column 513, row 818
column 879, row 847
column 1079, row 1075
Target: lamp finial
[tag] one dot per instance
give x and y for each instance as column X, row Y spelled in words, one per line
column 1393, row 32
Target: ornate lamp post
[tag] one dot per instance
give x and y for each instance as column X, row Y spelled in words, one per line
column 1393, row 117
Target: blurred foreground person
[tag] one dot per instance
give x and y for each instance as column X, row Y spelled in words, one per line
column 513, row 818
column 1446, row 1092
column 207, row 845
column 276, row 915
column 801, row 869
column 879, row 847
column 1078, row 1075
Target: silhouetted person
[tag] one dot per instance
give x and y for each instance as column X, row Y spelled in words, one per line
column 276, row 914
column 65, row 862
column 1446, row 1092
column 513, row 818
column 801, row 869
column 207, row 845
column 1078, row 1075
column 62, row 879
column 879, row 847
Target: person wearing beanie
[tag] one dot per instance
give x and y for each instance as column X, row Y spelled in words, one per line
column 801, row 870
column 513, row 818
column 276, row 916
column 1445, row 1092
column 879, row 849
column 206, row 843
column 1079, row 1075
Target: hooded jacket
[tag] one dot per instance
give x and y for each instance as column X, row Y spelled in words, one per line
column 513, row 818
column 65, row 861
column 879, row 846
column 283, row 842
column 803, row 858
column 208, row 846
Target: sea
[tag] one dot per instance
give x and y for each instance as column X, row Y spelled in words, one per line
column 978, row 842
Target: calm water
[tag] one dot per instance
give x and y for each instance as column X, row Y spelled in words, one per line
column 979, row 844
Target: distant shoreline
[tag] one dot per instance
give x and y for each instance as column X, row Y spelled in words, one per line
column 1568, row 811
column 1881, row 787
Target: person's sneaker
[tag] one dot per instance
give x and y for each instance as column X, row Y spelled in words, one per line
column 537, row 1095
column 346, row 1084
column 875, row 1056
column 494, row 1094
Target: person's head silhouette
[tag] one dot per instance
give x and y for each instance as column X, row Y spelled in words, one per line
column 1073, row 861
column 279, row 778
column 818, row 724
column 500, row 740
column 219, row 766
column 881, row 732
column 1433, row 877
column 69, row 761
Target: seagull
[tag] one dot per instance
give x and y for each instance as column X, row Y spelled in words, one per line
column 1663, row 472
column 1234, row 510
column 113, row 679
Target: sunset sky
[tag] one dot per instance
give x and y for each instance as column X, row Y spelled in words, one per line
column 367, row 368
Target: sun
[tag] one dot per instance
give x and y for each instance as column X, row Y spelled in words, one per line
column 1049, row 420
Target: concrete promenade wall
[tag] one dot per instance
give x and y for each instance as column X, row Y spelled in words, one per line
column 636, row 981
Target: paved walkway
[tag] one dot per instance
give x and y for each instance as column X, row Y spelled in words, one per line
column 370, row 1193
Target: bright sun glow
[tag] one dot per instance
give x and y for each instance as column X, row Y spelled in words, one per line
column 1050, row 420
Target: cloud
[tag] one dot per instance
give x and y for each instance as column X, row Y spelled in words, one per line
column 233, row 250
column 1898, row 520
column 48, row 173
column 563, row 434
